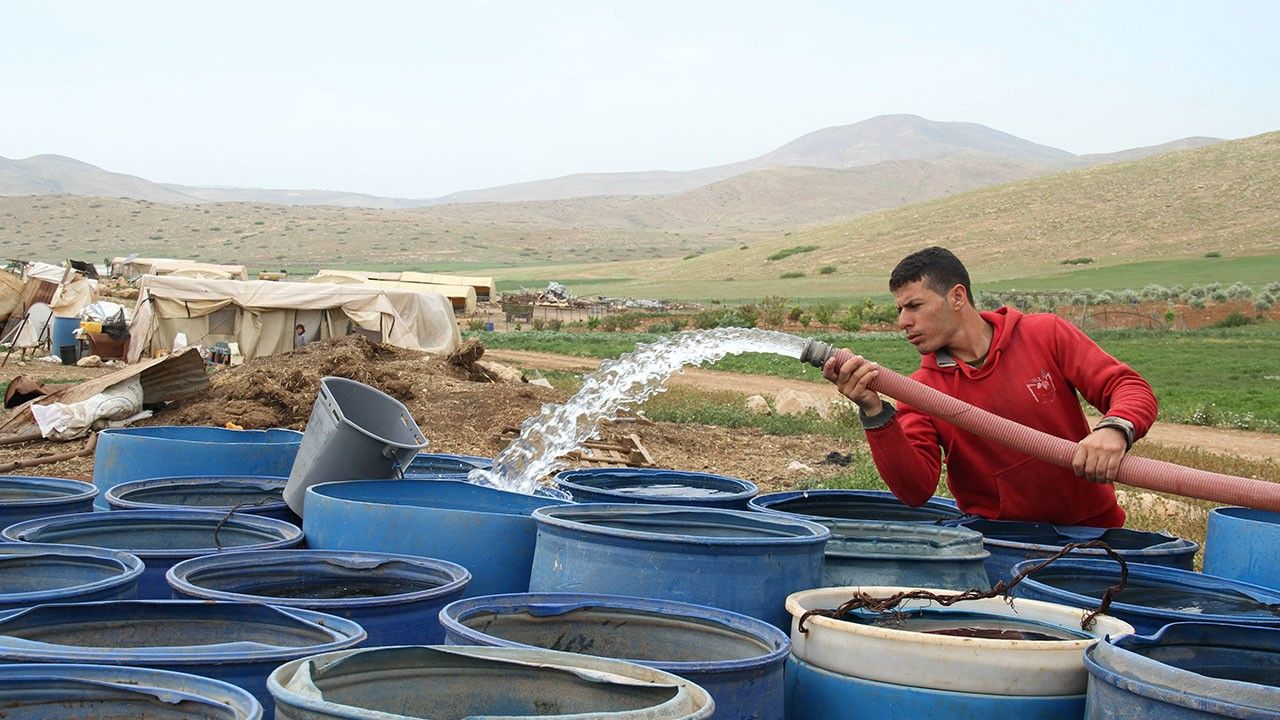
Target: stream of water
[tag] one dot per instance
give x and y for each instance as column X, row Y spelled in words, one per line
column 627, row 380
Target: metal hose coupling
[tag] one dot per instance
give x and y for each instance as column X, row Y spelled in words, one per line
column 816, row 353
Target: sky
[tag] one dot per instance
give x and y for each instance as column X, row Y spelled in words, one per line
column 420, row 99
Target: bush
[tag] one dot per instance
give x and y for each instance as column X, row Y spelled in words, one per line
column 475, row 324
column 539, row 325
column 1199, row 303
column 1262, row 304
column 1213, row 254
column 1077, row 261
column 794, row 313
column 593, row 323
column 788, row 252
column 1235, row 319
column 823, row 312
column 747, row 316
column 555, row 325
column 791, row 275
column 707, row 319
column 773, row 309
column 1239, row 291
column 851, row 321
column 827, row 270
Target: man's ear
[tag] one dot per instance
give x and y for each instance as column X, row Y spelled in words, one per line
column 957, row 297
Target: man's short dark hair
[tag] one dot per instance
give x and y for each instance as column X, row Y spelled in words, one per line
column 937, row 267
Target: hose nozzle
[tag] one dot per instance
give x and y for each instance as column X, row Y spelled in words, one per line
column 816, row 353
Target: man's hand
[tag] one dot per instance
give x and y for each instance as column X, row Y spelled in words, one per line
column 852, row 379
column 1099, row 455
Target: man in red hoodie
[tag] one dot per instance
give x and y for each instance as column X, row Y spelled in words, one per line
column 1027, row 368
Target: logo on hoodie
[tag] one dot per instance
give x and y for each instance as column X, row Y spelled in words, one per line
column 1041, row 387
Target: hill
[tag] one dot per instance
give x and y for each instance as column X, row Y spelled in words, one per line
column 1180, row 205
column 59, row 175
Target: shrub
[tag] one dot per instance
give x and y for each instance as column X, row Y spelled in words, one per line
column 1219, row 296
column 772, row 310
column 1199, row 303
column 1130, row 297
column 593, row 323
column 475, row 324
column 791, row 275
column 1262, row 304
column 1077, row 261
column 794, row 313
column 539, row 325
column 690, row 256
column 555, row 325
column 851, row 321
column 747, row 316
column 827, row 270
column 1235, row 319
column 788, row 252
column 1239, row 291
column 1213, row 254
column 707, row 319
column 823, row 312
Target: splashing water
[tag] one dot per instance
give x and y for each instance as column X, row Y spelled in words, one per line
column 630, row 379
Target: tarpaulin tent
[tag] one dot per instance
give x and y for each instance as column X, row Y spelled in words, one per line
column 261, row 315
column 463, row 297
column 131, row 267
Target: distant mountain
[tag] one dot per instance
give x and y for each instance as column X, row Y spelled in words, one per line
column 59, row 175
column 986, row 153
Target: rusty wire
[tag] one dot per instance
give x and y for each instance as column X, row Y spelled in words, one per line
column 890, row 604
column 216, row 528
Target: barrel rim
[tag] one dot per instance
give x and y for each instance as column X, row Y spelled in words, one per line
column 1246, row 515
column 239, row 700
column 287, row 533
column 453, row 615
column 1186, row 694
column 177, row 577
column 266, row 436
column 549, row 516
column 114, row 493
column 765, row 502
column 1201, row 581
column 131, row 564
column 344, row 633
column 324, row 494
column 1174, row 546
column 83, row 491
column 744, row 489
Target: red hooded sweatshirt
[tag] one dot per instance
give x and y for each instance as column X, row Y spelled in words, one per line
column 1034, row 368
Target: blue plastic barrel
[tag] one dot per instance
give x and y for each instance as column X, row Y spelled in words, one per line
column 1011, row 542
column 395, row 598
column 253, row 495
column 239, row 643
column 1241, row 545
column 437, row 464
column 63, row 334
column 656, row 487
column 487, row 531
column 1154, row 596
column 34, row 574
column 743, row 562
column 1187, row 671
column 125, row 454
column 903, row 554
column 397, row 683
column 817, row 694
column 161, row 538
column 95, row 692
column 739, row 660
column 24, row 497
column 878, row 505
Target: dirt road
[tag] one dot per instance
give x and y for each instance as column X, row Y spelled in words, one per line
column 1242, row 443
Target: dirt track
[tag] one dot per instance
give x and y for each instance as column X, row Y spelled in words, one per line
column 1242, row 443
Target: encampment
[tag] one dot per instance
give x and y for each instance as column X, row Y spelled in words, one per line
column 463, row 297
column 133, row 267
column 260, row 316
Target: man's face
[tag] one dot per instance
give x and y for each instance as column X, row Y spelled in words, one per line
column 925, row 316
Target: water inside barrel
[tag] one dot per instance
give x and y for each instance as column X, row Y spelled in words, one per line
column 968, row 624
column 1164, row 597
column 668, row 489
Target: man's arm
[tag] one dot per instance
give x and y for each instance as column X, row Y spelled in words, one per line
column 906, row 452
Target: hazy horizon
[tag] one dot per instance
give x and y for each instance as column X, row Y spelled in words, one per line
column 425, row 99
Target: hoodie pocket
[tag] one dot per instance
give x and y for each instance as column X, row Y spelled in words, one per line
column 1038, row 491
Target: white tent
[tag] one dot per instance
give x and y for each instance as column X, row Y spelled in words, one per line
column 261, row 315
column 463, row 297
column 131, row 268
column 483, row 285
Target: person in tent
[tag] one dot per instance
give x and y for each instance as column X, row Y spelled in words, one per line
column 1027, row 368
column 300, row 337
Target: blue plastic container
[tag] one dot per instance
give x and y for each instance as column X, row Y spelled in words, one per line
column 161, row 538
column 1012, row 542
column 125, row 454
column 239, row 643
column 440, row 464
column 63, row 335
column 879, row 505
column 656, row 487
column 739, row 561
column 95, row 692
column 253, row 495
column 817, row 694
column 1154, row 596
column 739, row 660
column 487, row 531
column 24, row 497
column 1241, row 545
column 1187, row 671
column 903, row 554
column 34, row 574
column 395, row 598
column 479, row 683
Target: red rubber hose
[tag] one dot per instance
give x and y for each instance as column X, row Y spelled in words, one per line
column 1136, row 471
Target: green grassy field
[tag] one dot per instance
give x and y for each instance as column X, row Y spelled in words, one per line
column 1253, row 270
column 1215, row 377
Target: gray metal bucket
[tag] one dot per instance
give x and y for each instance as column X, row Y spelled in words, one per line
column 355, row 432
